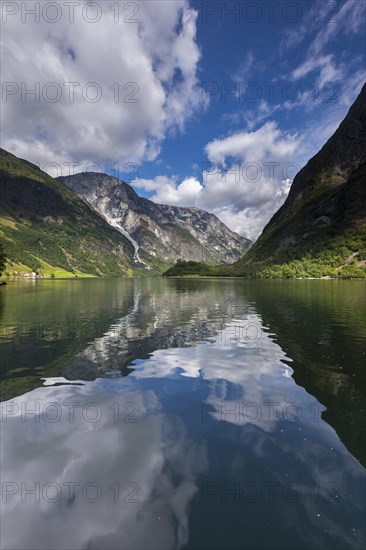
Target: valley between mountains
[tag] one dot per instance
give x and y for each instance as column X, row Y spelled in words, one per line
column 92, row 224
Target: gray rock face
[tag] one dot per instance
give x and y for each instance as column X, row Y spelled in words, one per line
column 329, row 193
column 159, row 233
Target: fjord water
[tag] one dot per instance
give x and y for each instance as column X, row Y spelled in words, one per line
column 199, row 414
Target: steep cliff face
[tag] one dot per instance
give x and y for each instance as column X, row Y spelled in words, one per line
column 327, row 195
column 159, row 233
column 320, row 231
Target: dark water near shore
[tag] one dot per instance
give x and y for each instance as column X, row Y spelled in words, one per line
column 197, row 414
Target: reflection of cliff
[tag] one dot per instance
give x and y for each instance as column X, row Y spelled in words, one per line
column 316, row 323
column 42, row 329
column 245, row 500
column 167, row 452
column 173, row 318
column 80, row 332
column 320, row 325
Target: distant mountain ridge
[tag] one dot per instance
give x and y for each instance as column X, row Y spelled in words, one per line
column 160, row 233
column 102, row 228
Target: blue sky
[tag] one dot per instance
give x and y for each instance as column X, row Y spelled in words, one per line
column 258, row 59
column 230, row 98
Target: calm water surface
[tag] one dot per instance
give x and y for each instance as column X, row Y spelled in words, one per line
column 195, row 414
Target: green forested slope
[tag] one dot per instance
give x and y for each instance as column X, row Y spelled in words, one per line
column 46, row 227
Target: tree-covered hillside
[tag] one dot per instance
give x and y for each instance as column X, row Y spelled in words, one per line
column 47, row 228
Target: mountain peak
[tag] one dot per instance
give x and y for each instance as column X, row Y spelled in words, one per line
column 342, row 153
column 160, row 233
column 323, row 219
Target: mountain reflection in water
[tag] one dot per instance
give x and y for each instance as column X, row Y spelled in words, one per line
column 238, row 425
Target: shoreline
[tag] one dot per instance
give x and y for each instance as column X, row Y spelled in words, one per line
column 179, row 277
column 267, row 279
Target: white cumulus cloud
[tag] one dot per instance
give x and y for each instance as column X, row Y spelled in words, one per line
column 246, row 180
column 253, row 146
column 144, row 75
column 170, row 191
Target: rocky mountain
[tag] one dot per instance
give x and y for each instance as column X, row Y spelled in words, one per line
column 45, row 227
column 320, row 230
column 160, row 234
column 327, row 192
column 93, row 224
